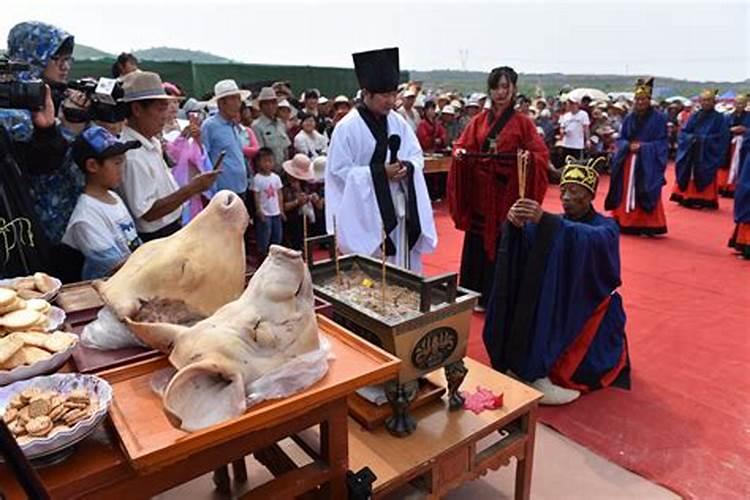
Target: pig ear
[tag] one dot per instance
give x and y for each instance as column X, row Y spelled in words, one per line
column 204, row 394
column 161, row 336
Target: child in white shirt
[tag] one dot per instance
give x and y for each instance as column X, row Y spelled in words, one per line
column 101, row 227
column 269, row 201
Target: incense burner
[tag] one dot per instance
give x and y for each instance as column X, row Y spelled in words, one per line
column 432, row 335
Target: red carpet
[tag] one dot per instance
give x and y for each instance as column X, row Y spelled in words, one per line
column 686, row 422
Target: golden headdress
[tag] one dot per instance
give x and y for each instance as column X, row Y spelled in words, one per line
column 644, row 88
column 710, row 93
column 583, row 174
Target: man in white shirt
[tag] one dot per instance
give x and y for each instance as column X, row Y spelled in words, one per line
column 407, row 110
column 148, row 188
column 574, row 126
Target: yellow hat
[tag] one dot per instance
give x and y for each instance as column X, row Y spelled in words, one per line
column 644, row 88
column 583, row 174
column 709, row 93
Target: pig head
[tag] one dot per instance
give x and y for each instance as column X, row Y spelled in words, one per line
column 216, row 359
column 201, row 265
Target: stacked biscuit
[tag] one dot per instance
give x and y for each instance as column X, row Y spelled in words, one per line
column 23, row 340
column 26, row 348
column 35, row 413
column 17, row 314
column 34, row 287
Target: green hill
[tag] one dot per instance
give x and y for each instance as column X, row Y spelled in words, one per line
column 171, row 54
column 85, row 52
column 473, row 81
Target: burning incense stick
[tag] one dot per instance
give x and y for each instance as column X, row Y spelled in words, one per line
column 382, row 285
column 336, row 253
column 522, row 160
column 304, row 238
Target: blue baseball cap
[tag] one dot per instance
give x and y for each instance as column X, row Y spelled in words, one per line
column 99, row 143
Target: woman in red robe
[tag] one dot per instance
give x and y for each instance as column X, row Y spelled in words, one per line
column 482, row 188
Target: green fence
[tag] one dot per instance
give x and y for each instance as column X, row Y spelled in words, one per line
column 199, row 78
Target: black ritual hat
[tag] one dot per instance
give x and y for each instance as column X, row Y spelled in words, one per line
column 377, row 70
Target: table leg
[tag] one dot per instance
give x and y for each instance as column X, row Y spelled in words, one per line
column 221, row 479
column 239, row 470
column 334, row 450
column 524, row 466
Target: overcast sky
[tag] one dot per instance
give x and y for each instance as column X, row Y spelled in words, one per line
column 707, row 40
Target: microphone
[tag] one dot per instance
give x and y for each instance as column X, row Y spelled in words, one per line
column 394, row 143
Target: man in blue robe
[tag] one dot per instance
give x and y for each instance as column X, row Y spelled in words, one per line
column 740, row 240
column 554, row 318
column 701, row 148
column 738, row 123
column 638, row 168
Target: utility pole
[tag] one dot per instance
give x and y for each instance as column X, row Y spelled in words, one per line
column 463, row 55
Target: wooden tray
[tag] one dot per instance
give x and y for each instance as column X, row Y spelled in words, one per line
column 150, row 442
column 372, row 416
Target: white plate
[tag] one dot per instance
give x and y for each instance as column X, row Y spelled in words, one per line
column 40, row 367
column 65, row 383
column 55, row 318
column 49, row 296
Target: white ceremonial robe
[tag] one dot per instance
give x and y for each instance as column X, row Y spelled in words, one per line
column 350, row 192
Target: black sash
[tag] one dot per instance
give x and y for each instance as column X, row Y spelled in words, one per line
column 379, row 128
column 497, row 128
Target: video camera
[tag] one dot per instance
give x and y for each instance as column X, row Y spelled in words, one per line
column 103, row 90
column 104, row 94
column 15, row 94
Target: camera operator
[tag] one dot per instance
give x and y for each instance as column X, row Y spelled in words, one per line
column 38, row 191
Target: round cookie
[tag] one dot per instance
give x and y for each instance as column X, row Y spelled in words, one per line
column 40, row 305
column 7, row 296
column 18, row 320
column 39, row 426
column 43, row 283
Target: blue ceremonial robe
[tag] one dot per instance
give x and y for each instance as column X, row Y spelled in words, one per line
column 733, row 120
column 742, row 192
column 651, row 161
column 701, row 148
column 551, row 278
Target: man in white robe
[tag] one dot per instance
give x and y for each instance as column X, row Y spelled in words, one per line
column 374, row 181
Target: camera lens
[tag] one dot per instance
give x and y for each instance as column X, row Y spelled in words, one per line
column 22, row 95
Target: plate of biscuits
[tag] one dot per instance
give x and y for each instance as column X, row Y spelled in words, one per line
column 38, row 286
column 27, row 354
column 17, row 314
column 48, row 414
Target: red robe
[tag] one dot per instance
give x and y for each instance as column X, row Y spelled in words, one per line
column 473, row 188
column 432, row 136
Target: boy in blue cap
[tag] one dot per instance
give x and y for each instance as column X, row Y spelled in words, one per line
column 101, row 227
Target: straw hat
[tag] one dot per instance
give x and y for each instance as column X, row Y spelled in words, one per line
column 300, row 167
column 319, row 168
column 267, row 94
column 142, row 86
column 226, row 88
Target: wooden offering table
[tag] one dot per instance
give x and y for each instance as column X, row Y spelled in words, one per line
column 451, row 448
column 435, row 164
column 141, row 454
